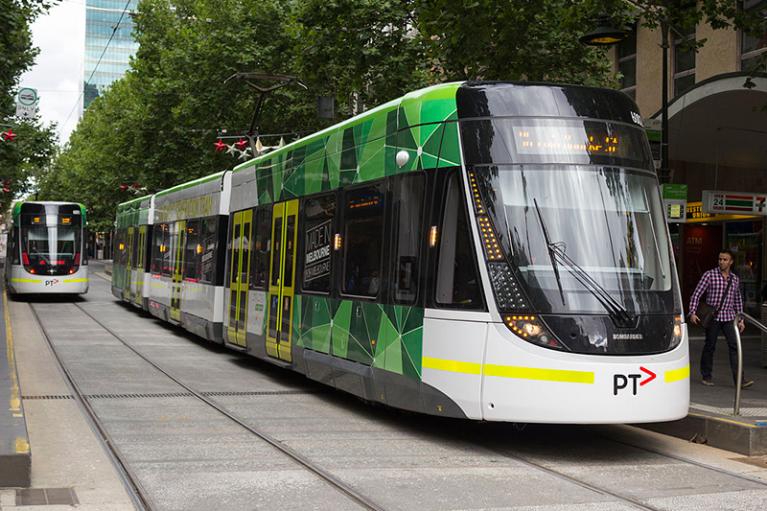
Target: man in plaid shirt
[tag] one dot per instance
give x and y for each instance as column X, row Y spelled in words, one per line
column 713, row 283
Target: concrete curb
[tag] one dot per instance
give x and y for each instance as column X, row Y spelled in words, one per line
column 741, row 436
column 15, row 452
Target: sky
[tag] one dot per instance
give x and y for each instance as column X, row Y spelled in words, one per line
column 58, row 71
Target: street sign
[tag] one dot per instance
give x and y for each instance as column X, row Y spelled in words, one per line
column 26, row 103
column 674, row 192
column 718, row 202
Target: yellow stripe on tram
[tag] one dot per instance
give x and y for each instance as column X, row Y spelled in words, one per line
column 537, row 373
column 25, row 281
column 453, row 366
column 76, row 280
column 677, row 374
column 522, row 373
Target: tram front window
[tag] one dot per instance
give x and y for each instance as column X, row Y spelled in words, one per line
column 609, row 224
column 575, row 197
column 53, row 250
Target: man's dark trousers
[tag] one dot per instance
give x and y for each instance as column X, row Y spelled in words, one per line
column 712, row 333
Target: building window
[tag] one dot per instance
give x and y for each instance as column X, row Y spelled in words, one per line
column 754, row 47
column 627, row 63
column 684, row 59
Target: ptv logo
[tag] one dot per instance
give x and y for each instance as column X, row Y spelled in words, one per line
column 622, row 381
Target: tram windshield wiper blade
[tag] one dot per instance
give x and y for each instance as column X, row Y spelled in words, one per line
column 557, row 254
column 552, row 252
column 615, row 309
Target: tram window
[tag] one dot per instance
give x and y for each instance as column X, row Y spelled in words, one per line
column 171, row 247
column 260, row 248
column 457, row 279
column 275, row 278
column 191, row 251
column 158, row 247
column 407, row 217
column 208, row 240
column 14, row 245
column 134, row 249
column 317, row 233
column 362, row 241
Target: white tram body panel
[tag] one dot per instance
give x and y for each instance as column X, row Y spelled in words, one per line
column 571, row 388
column 20, row 281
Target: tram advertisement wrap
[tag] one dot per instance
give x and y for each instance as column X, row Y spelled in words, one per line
column 317, row 253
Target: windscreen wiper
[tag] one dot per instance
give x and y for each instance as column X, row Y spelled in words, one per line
column 552, row 253
column 557, row 254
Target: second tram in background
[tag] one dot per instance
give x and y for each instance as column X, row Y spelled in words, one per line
column 46, row 249
column 492, row 251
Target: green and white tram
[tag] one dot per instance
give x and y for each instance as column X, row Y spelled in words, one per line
column 46, row 249
column 493, row 251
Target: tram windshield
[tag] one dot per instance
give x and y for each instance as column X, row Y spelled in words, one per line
column 561, row 215
column 51, row 240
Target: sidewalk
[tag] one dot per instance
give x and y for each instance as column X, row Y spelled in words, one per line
column 711, row 419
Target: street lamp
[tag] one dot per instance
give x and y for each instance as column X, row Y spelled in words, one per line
column 606, row 34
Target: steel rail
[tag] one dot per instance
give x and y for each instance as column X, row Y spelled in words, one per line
column 140, row 497
column 574, row 480
column 332, row 480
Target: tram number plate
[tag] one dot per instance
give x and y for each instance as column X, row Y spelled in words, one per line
column 630, row 382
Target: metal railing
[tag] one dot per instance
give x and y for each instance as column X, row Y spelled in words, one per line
column 739, row 377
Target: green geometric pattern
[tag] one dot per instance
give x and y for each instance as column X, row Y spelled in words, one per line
column 423, row 123
column 388, row 337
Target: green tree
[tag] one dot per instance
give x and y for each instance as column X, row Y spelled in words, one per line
column 512, row 40
column 360, row 51
column 26, row 158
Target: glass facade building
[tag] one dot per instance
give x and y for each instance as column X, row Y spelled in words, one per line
column 101, row 18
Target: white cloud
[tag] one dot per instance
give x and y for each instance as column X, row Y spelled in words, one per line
column 58, row 70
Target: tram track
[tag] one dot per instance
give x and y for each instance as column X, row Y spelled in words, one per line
column 355, row 496
column 140, row 496
column 137, row 493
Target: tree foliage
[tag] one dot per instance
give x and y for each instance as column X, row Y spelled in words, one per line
column 23, row 160
column 157, row 125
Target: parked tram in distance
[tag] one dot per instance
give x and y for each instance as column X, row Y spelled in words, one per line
column 46, row 249
column 483, row 250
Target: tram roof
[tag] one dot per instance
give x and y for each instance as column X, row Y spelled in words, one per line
column 424, row 106
column 17, row 205
column 189, row 184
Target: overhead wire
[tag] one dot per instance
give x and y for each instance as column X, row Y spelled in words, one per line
column 95, row 68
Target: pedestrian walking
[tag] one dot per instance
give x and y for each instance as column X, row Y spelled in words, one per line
column 722, row 304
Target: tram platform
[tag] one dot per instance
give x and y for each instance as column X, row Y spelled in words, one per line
column 15, row 454
column 711, row 419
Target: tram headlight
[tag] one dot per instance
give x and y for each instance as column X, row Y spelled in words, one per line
column 678, row 331
column 530, row 328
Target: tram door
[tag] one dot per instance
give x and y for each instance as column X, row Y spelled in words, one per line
column 178, row 271
column 127, row 283
column 139, row 295
column 239, row 277
column 282, row 280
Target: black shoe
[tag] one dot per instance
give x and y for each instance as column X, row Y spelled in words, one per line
column 707, row 383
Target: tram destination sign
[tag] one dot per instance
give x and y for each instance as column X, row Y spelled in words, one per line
column 718, row 202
